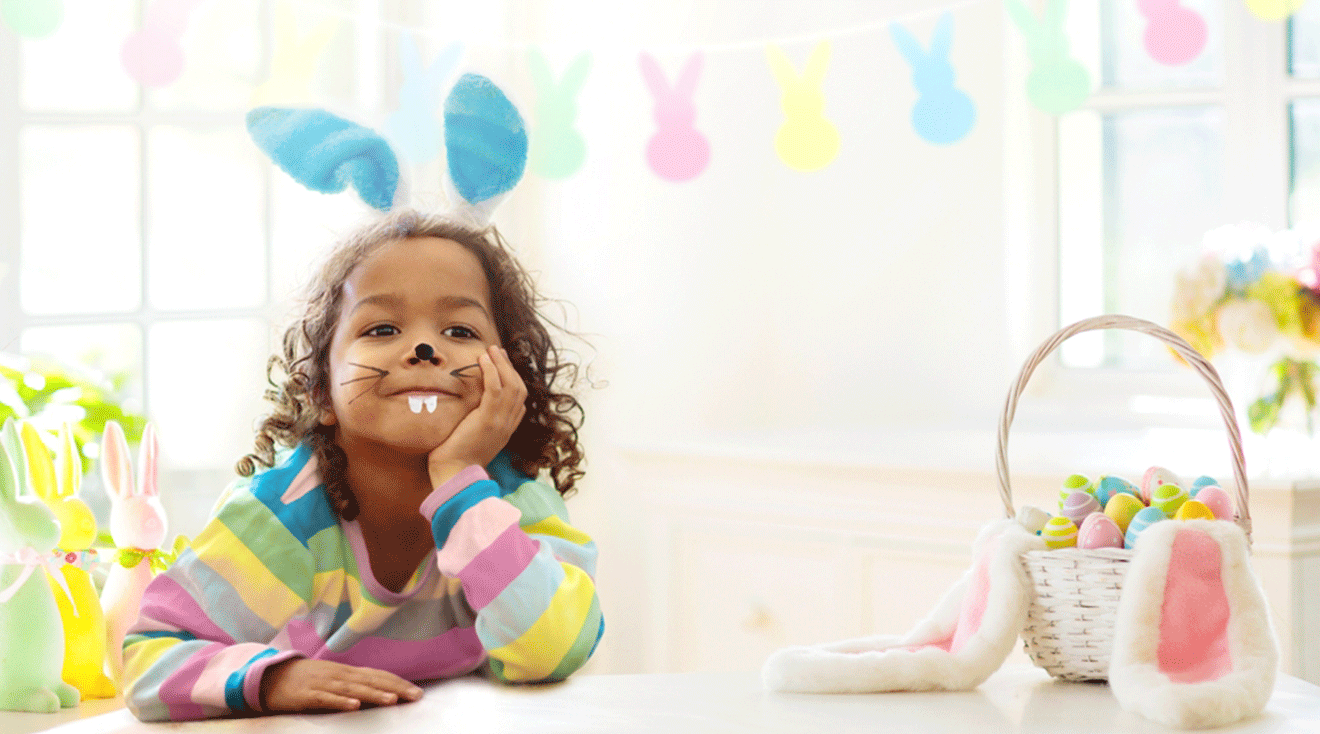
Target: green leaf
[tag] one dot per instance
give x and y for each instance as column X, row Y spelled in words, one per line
column 1263, row 414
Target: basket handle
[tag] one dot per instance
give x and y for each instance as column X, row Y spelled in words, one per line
column 1179, row 345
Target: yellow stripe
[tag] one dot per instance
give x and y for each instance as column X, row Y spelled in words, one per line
column 554, row 526
column 261, row 591
column 140, row 656
column 537, row 653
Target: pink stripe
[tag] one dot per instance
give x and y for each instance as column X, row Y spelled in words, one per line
column 494, row 568
column 210, row 685
column 306, row 481
column 303, row 637
column 455, row 652
column 176, row 690
column 165, row 602
column 465, row 478
column 479, row 527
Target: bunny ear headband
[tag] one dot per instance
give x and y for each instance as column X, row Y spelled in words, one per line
column 485, row 142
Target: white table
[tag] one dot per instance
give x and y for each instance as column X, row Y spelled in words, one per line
column 1015, row 699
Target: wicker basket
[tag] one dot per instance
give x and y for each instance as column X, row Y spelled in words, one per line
column 1070, row 623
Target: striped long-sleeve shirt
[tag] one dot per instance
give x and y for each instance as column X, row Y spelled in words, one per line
column 276, row 574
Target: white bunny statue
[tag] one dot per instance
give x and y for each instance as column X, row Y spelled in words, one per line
column 138, row 527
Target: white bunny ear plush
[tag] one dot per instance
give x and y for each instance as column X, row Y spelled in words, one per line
column 956, row 647
column 1193, row 646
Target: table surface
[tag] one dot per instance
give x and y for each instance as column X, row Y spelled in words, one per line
column 1015, row 699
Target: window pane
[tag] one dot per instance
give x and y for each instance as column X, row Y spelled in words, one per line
column 80, row 239
column 205, row 392
column 1140, row 54
column 222, row 59
column 1162, row 189
column 1304, row 42
column 305, row 225
column 206, row 243
column 77, row 67
column 111, row 350
column 1305, row 204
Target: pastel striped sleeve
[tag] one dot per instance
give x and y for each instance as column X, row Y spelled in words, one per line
column 202, row 639
column 526, row 572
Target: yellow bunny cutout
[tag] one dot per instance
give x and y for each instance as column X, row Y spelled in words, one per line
column 807, row 141
column 57, row 485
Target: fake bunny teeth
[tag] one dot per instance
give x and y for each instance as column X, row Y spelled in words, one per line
column 415, row 403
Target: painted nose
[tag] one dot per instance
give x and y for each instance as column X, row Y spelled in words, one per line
column 424, row 353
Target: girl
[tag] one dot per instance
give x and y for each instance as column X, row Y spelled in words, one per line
column 401, row 536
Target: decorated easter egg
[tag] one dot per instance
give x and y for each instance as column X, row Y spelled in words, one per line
column 1193, row 510
column 1059, row 532
column 1075, row 483
column 1122, row 507
column 1145, row 518
column 1218, row 500
column 1111, row 485
column 1032, row 518
column 1078, row 505
column 1200, row 482
column 1098, row 530
column 1168, row 497
column 1153, row 478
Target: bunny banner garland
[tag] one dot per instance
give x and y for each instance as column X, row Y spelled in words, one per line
column 412, row 127
column 32, row 18
column 557, row 148
column 153, row 55
column 942, row 114
column 1174, row 35
column 1274, row 9
column 677, row 151
column 807, row 141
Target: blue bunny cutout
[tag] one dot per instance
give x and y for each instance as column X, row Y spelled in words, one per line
column 326, row 153
column 485, row 141
column 943, row 114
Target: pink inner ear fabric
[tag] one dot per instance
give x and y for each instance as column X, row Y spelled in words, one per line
column 1194, row 617
column 976, row 599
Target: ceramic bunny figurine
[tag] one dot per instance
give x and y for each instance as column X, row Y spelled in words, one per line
column 677, row 151
column 31, row 638
column 807, row 141
column 943, row 114
column 57, row 485
column 138, row 527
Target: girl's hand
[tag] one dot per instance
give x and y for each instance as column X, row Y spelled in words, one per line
column 310, row 685
column 485, row 431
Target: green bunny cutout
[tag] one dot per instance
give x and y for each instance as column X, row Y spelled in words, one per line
column 1056, row 83
column 557, row 149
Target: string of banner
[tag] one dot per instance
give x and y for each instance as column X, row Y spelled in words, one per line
column 678, row 151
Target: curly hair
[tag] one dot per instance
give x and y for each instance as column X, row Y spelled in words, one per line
column 547, row 437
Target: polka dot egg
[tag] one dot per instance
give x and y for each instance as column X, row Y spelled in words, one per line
column 1099, row 531
column 1153, row 479
column 1218, row 501
column 1145, row 518
column 1110, row 486
column 1059, row 532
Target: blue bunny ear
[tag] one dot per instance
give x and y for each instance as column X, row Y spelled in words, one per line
column 326, row 153
column 485, row 139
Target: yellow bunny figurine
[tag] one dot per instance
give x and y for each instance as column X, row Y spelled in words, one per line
column 57, row 485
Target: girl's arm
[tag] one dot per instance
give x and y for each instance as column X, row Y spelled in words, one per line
column 526, row 572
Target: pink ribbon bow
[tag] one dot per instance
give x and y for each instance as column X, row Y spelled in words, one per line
column 30, row 558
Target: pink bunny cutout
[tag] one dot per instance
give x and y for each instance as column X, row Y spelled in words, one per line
column 677, row 151
column 138, row 527
column 153, row 55
column 1174, row 35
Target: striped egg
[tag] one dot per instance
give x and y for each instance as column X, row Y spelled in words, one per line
column 1099, row 531
column 1193, row 510
column 1153, row 478
column 1142, row 520
column 1122, row 507
column 1078, row 505
column 1059, row 532
column 1075, row 483
column 1110, row 486
column 1218, row 500
column 1168, row 497
column 1032, row 518
column 1200, row 482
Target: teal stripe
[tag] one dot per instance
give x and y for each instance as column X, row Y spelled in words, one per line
column 447, row 516
column 234, row 698
column 153, row 634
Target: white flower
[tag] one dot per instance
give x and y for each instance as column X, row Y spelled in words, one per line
column 1198, row 288
column 1247, row 325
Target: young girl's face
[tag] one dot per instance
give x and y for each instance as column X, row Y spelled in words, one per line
column 383, row 393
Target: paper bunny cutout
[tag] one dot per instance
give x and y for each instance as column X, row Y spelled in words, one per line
column 294, row 59
column 485, row 141
column 1174, row 35
column 1056, row 82
column 33, row 18
column 1274, row 9
column 57, row 484
column 31, row 637
column 413, row 127
column 557, row 149
column 807, row 140
column 942, row 114
column 678, row 151
column 138, row 526
column 153, row 55
column 1192, row 644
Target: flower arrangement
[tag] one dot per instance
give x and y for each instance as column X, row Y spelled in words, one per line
column 1257, row 291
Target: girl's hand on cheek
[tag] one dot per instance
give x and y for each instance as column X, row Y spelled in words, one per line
column 487, row 429
column 316, row 685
